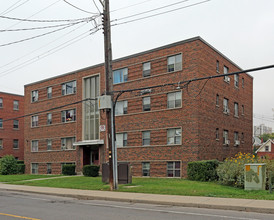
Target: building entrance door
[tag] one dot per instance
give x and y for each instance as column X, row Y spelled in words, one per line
column 90, row 155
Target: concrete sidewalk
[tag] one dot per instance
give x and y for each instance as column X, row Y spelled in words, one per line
column 261, row 206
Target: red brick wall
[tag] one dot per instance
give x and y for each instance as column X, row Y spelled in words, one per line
column 198, row 117
column 8, row 133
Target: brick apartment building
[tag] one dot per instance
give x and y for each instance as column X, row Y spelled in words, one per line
column 158, row 130
column 11, row 131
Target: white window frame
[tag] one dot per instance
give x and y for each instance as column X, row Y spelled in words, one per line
column 34, row 96
column 69, row 88
column 121, row 139
column 146, row 69
column 225, row 137
column 145, row 168
column 49, row 168
column 15, row 124
column 174, row 136
column 226, row 105
column 34, row 121
column 49, row 92
column 121, row 107
column 120, row 75
column 226, row 71
column 68, row 115
column 64, row 143
column 236, row 109
column 146, row 103
column 49, row 144
column 174, row 63
column 15, row 105
column 217, row 133
column 49, row 118
column 34, row 168
column 236, row 138
column 146, row 138
column 236, row 80
column 217, row 100
column 174, row 100
column 15, row 144
column 1, row 123
column 172, row 169
column 34, row 146
column 1, row 143
column 1, row 102
column 217, row 66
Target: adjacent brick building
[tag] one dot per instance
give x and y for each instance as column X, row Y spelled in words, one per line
column 159, row 130
column 11, row 131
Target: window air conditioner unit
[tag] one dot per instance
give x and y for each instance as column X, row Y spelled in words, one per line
column 227, row 79
column 237, row 142
column 227, row 142
column 226, row 111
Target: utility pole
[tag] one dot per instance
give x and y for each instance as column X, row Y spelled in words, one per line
column 109, row 91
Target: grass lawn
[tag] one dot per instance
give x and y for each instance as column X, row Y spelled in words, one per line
column 14, row 178
column 147, row 185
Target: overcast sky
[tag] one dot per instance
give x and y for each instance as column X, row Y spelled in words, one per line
column 243, row 30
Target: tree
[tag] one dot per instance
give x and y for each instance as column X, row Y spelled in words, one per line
column 265, row 137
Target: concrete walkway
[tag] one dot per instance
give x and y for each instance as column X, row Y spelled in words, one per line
column 261, row 206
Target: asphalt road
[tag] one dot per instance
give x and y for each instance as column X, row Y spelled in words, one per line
column 14, row 205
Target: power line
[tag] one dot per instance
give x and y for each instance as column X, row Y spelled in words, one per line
column 118, row 9
column 79, row 8
column 51, row 109
column 41, row 35
column 53, row 50
column 11, row 9
column 97, row 7
column 149, row 16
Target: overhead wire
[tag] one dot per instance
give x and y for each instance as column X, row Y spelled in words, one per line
column 11, row 9
column 80, row 9
column 149, row 16
column 129, row 6
column 96, row 6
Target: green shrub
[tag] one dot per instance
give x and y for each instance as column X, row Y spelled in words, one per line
column 20, row 162
column 8, row 165
column 231, row 171
column 21, row 168
column 91, row 170
column 202, row 170
column 69, row 169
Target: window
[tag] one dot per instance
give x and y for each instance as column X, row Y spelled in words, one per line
column 34, row 146
column 236, row 80
column 146, row 69
column 1, row 103
column 34, row 96
column 48, row 168
column 49, row 118
column 174, row 63
column 217, row 100
column 243, row 110
column 121, row 140
column 225, row 137
column 1, row 143
column 68, row 115
column 266, row 148
column 174, row 169
column 146, row 104
column 67, row 143
column 1, row 123
column 146, row 138
column 49, row 144
column 243, row 82
column 15, row 144
column 226, row 78
column 217, row 66
column 120, row 75
column 15, row 105
column 34, row 168
column 174, row 136
column 236, row 139
column 49, row 92
column 34, row 121
column 15, row 124
column 236, row 109
column 145, row 169
column 217, row 134
column 226, row 109
column 174, row 100
column 121, row 108
column 69, row 88
column 243, row 137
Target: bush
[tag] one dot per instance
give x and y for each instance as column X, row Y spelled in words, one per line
column 231, row 171
column 20, row 162
column 21, row 168
column 69, row 169
column 269, row 170
column 8, row 165
column 91, row 170
column 202, row 170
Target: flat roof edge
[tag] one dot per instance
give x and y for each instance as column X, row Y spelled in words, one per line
column 8, row 93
